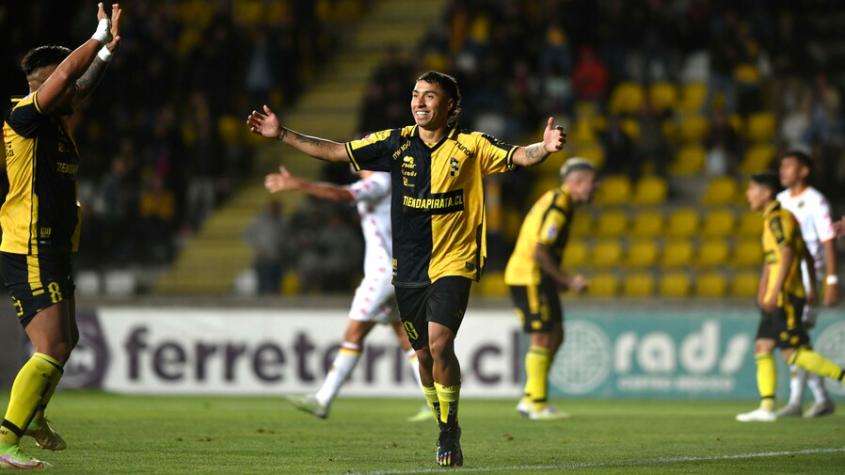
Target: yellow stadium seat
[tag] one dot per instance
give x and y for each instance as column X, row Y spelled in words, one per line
column 688, row 161
column 612, row 223
column 720, row 191
column 642, row 253
column 647, row 224
column 663, row 95
column 593, row 152
column 711, row 285
column 745, row 284
column 230, row 129
column 694, row 128
column 603, row 285
column 683, row 222
column 757, row 158
column 586, row 109
column 614, row 190
column 606, row 253
column 713, row 253
column 542, row 185
column 762, row 127
column 748, row 253
column 639, row 284
column 650, row 190
column 674, row 284
column 626, row 98
column 693, row 97
column 677, row 253
column 493, row 285
column 576, row 254
column 750, row 225
column 631, row 127
column 582, row 132
column 290, row 284
column 718, row 223
column 582, row 224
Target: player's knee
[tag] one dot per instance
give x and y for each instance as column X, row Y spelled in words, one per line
column 442, row 346
column 59, row 349
column 763, row 347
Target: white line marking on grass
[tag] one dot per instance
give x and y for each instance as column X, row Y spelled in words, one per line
column 618, row 463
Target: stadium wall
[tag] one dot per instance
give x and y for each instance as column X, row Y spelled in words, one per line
column 609, row 353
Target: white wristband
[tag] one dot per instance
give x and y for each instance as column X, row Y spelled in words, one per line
column 104, row 54
column 832, row 279
column 103, row 33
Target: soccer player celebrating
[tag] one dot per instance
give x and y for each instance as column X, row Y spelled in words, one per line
column 374, row 301
column 437, row 213
column 812, row 212
column 534, row 276
column 40, row 222
column 781, row 298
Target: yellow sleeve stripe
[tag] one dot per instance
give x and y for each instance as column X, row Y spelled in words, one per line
column 352, row 157
column 509, row 158
column 35, row 102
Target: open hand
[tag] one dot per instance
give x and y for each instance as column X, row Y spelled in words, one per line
column 280, row 181
column 115, row 26
column 265, row 124
column 554, row 137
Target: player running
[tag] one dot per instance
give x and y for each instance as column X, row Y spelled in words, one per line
column 374, row 301
column 781, row 298
column 437, row 214
column 40, row 222
column 812, row 212
column 534, row 276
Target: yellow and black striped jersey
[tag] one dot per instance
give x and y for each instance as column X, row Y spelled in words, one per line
column 437, row 203
column 548, row 223
column 781, row 230
column 41, row 212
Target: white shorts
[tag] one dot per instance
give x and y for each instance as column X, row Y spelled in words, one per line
column 374, row 299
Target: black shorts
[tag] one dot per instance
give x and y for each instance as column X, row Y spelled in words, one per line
column 784, row 324
column 444, row 301
column 36, row 282
column 538, row 306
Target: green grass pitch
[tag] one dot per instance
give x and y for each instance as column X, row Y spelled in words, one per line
column 145, row 434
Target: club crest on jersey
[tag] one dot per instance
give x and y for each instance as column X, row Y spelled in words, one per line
column 454, row 166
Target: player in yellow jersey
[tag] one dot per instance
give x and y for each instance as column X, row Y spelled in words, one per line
column 781, row 298
column 535, row 277
column 40, row 222
column 437, row 214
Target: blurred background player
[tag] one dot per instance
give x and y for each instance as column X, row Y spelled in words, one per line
column 781, row 298
column 535, row 277
column 374, row 301
column 812, row 211
column 40, row 222
column 439, row 235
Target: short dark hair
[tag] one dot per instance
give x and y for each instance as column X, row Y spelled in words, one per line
column 801, row 157
column 43, row 56
column 574, row 165
column 769, row 179
column 450, row 86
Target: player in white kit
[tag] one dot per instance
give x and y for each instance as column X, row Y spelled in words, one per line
column 812, row 212
column 374, row 300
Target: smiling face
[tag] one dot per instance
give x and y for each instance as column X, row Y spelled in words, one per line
column 430, row 106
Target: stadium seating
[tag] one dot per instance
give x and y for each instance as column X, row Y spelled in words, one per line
column 683, row 222
column 582, row 224
column 593, row 152
column 649, row 190
column 757, row 158
column 750, row 225
column 626, row 98
column 606, row 253
column 493, row 285
column 677, row 253
column 762, row 127
column 674, row 284
column 748, row 253
column 611, row 223
column 603, row 284
column 720, row 191
column 693, row 128
column 718, row 223
column 638, row 284
column 712, row 253
column 576, row 254
column 647, row 224
column 693, row 97
column 614, row 190
column 688, row 161
column 711, row 285
column 745, row 284
column 642, row 253
column 663, row 95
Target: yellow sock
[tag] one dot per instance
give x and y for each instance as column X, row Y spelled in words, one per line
column 431, row 399
column 816, row 363
column 448, row 397
column 766, row 380
column 34, row 381
column 537, row 363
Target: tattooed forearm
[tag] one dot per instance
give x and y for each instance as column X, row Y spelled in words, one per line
column 315, row 146
column 307, row 139
column 535, row 153
column 91, row 79
column 283, row 134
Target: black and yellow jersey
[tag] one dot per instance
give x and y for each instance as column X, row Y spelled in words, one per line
column 780, row 230
column 41, row 212
column 437, row 204
column 548, row 223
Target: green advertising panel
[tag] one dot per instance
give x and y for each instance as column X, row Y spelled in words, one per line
column 674, row 354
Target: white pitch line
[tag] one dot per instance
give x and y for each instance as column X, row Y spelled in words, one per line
column 619, row 463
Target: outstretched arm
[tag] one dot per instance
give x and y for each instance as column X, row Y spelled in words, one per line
column 554, row 138
column 266, row 124
column 68, row 71
column 284, row 181
column 94, row 75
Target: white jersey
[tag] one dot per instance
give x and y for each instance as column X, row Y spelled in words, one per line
column 812, row 212
column 373, row 299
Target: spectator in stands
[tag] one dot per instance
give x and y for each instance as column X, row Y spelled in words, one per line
column 590, row 78
column 156, row 218
column 265, row 235
column 722, row 145
column 620, row 155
